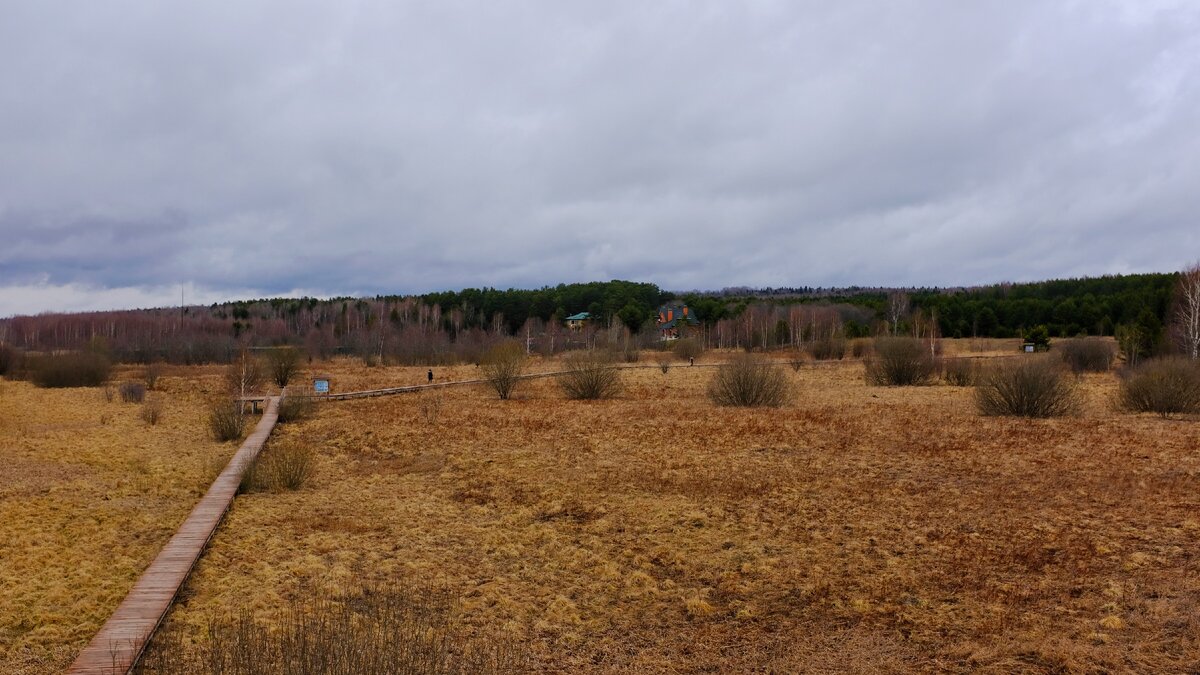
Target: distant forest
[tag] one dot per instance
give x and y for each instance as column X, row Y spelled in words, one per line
column 460, row 325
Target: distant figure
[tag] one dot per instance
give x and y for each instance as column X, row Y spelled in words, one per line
column 691, row 360
column 430, row 375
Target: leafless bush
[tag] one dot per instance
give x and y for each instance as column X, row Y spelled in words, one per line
column 372, row 630
column 280, row 466
column 1168, row 386
column 502, row 366
column 282, row 364
column 1087, row 355
column 1027, row 387
column 132, row 392
column 226, row 421
column 151, row 374
column 796, row 360
column 829, row 349
column 293, row 408
column 749, row 381
column 861, row 347
column 631, row 354
column 10, row 360
column 72, row 369
column 664, row 362
column 900, row 361
column 108, row 393
column 589, row 375
column 431, row 408
column 959, row 372
column 686, row 349
column 152, row 411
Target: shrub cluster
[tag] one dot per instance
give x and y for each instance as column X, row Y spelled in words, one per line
column 502, row 367
column 749, row 381
column 132, row 392
column 589, row 375
column 10, row 360
column 861, row 347
column 282, row 364
column 1167, row 386
column 900, row 361
column 959, row 372
column 152, row 412
column 1027, row 387
column 1087, row 355
column 829, row 349
column 151, row 374
column 372, row 629
column 282, row 466
column 295, row 408
column 68, row 369
column 226, row 421
column 687, row 348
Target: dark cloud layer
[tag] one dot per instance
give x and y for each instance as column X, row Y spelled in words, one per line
column 372, row 147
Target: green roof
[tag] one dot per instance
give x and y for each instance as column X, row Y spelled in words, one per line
column 579, row 317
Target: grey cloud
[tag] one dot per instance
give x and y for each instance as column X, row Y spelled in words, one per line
column 396, row 147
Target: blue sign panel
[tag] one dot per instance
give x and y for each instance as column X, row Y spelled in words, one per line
column 321, row 386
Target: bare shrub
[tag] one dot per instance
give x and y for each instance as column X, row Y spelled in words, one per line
column 1167, row 386
column 226, row 421
column 959, row 372
column 796, row 360
column 132, row 392
column 829, row 349
column 10, row 360
column 151, row 374
column 1027, row 387
column 589, row 375
column 71, row 369
column 293, row 408
column 664, row 362
column 372, row 629
column 108, row 393
column 900, row 361
column 1087, row 355
column 749, row 381
column 152, row 412
column 631, row 354
column 502, row 366
column 686, row 349
column 431, row 408
column 280, row 466
column 282, row 365
column 861, row 347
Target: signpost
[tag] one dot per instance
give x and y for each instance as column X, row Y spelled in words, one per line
column 321, row 385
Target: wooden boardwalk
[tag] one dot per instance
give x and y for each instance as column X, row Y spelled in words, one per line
column 116, row 648
column 121, row 640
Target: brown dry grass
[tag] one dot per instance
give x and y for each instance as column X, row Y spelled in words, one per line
column 856, row 528
column 88, row 495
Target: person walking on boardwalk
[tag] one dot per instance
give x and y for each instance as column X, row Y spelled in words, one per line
column 430, row 375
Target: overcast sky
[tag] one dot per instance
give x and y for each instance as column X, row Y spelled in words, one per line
column 252, row 148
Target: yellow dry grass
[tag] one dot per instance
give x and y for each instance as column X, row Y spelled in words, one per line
column 89, row 493
column 855, row 529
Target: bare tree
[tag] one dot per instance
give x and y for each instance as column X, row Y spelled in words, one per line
column 1187, row 310
column 244, row 374
column 897, row 308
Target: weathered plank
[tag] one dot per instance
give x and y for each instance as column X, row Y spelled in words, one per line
column 119, row 644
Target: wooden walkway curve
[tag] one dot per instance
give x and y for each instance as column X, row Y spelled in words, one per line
column 119, row 644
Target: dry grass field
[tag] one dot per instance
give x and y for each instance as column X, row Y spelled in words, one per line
column 89, row 492
column 857, row 529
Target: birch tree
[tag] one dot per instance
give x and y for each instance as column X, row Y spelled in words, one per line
column 1187, row 310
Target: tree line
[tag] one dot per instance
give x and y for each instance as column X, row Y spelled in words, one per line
column 461, row 325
